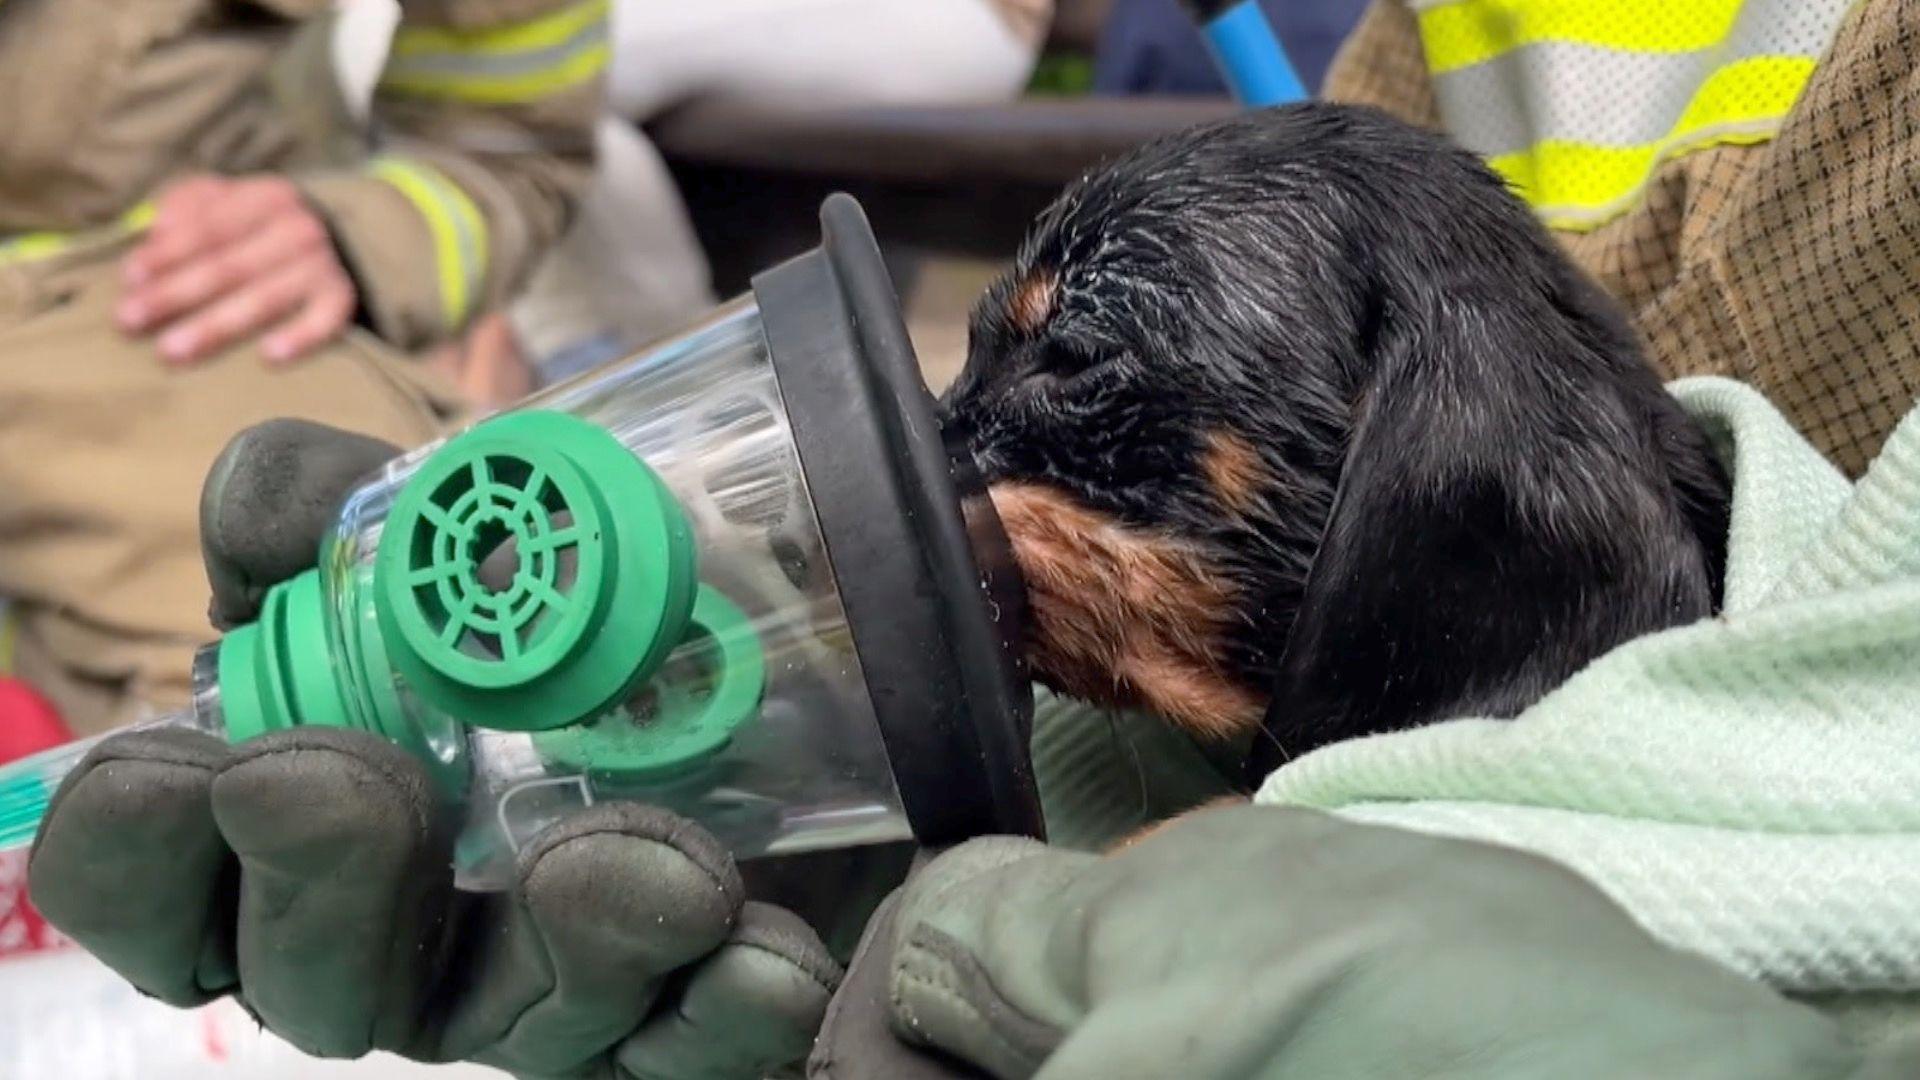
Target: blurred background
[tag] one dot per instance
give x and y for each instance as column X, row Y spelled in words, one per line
column 953, row 134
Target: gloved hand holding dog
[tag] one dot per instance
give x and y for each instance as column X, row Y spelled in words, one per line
column 308, row 873
column 1261, row 942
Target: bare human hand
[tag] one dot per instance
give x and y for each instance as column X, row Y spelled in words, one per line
column 487, row 364
column 230, row 259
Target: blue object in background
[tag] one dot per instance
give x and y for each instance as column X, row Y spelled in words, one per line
column 1154, row 47
column 1249, row 51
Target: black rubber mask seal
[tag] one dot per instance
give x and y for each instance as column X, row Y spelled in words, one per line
column 932, row 596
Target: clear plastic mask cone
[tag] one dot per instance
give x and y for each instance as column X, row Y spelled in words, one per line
column 735, row 575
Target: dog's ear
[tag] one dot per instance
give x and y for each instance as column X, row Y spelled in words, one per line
column 1485, row 538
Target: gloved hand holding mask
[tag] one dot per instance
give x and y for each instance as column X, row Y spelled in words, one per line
column 311, row 874
column 737, row 577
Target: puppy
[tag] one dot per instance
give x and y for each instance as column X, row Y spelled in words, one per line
column 1301, row 427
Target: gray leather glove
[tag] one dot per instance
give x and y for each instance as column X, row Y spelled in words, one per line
column 1260, row 942
column 308, row 873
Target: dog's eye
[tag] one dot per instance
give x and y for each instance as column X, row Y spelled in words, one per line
column 1057, row 361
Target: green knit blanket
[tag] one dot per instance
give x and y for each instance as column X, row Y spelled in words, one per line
column 1748, row 786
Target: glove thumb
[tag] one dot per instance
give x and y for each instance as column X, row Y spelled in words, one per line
column 894, row 1023
column 268, row 500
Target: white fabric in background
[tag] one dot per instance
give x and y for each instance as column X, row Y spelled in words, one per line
column 632, row 268
column 362, row 36
column 821, row 53
column 64, row 1016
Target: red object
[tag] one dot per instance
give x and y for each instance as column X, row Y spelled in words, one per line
column 28, row 724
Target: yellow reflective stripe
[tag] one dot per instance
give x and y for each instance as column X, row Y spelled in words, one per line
column 1461, row 33
column 458, row 229
column 140, row 218
column 512, row 64
column 518, row 89
column 1574, row 185
column 33, row 246
column 531, row 36
column 40, row 245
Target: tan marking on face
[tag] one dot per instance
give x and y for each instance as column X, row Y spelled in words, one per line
column 1233, row 470
column 1033, row 299
column 1123, row 617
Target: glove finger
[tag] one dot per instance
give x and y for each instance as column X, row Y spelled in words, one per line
column 611, row 902
column 749, row 1009
column 268, row 500
column 940, row 989
column 129, row 864
column 346, row 875
column 856, row 1040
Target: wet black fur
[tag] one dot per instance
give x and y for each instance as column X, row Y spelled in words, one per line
column 1477, row 483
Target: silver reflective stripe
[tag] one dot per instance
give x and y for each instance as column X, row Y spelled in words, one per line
column 1609, row 97
column 484, row 65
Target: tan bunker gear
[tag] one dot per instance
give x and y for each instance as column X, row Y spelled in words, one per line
column 480, row 144
column 1740, row 173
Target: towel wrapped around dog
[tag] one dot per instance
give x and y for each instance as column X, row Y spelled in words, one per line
column 1748, row 786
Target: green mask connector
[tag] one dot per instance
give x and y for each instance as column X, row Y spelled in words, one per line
column 686, row 717
column 531, row 576
column 511, row 592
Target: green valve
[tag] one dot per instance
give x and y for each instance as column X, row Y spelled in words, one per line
column 713, row 685
column 532, row 574
column 280, row 672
